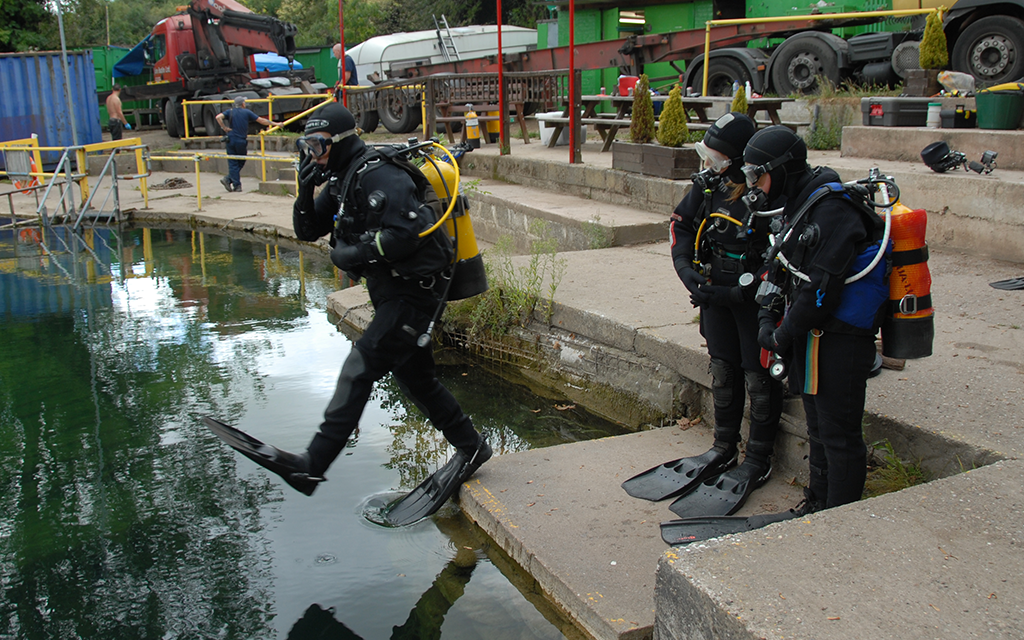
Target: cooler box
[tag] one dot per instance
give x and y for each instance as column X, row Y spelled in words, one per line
column 894, row 112
column 546, row 130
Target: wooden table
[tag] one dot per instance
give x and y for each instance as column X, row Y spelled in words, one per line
column 608, row 125
column 770, row 106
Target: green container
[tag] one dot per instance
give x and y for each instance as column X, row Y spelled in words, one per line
column 999, row 109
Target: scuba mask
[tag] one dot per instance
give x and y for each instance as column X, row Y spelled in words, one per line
column 711, row 159
column 316, row 146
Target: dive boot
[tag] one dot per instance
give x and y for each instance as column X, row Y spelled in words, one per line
column 679, row 476
column 725, row 494
column 293, row 467
column 433, row 492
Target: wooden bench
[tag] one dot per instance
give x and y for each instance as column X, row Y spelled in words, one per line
column 449, row 114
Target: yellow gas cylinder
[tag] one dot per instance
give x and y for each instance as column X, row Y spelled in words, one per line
column 472, row 127
column 470, row 277
column 493, row 127
column 909, row 325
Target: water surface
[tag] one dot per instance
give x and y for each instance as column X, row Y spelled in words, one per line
column 121, row 516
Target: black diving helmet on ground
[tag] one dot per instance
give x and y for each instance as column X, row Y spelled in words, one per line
column 940, row 159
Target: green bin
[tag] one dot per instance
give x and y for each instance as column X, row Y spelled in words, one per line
column 999, row 109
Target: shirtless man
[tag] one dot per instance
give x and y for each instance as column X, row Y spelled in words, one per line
column 117, row 120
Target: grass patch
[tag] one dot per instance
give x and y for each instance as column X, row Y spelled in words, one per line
column 893, row 474
column 515, row 293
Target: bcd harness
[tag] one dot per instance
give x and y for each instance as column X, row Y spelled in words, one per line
column 435, row 255
column 869, row 282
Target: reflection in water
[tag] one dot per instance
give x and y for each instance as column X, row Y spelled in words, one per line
column 123, row 517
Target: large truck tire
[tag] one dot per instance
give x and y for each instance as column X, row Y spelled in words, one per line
column 800, row 61
column 397, row 117
column 171, row 119
column 210, row 122
column 991, row 50
column 722, row 72
column 367, row 121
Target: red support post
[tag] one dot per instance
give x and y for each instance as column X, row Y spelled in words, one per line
column 573, row 112
column 502, row 124
column 341, row 63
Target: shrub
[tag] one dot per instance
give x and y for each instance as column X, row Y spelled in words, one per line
column 672, row 131
column 739, row 101
column 933, row 44
column 641, row 129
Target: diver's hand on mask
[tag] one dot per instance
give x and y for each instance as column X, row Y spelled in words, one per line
column 310, row 176
column 691, row 279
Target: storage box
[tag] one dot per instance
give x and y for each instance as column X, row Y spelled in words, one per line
column 547, row 129
column 959, row 118
column 894, row 112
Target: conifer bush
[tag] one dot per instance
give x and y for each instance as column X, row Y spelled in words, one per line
column 641, row 129
column 672, row 130
column 934, row 54
column 739, row 101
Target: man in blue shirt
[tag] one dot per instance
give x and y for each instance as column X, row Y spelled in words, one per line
column 238, row 131
column 346, row 72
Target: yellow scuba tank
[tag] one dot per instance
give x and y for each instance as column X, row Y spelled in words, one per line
column 470, row 278
column 472, row 130
column 909, row 325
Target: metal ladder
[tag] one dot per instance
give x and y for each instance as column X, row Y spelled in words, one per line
column 448, row 48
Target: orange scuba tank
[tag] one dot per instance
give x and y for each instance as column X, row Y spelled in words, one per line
column 909, row 325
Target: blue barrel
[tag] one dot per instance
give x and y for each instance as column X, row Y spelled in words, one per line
column 35, row 99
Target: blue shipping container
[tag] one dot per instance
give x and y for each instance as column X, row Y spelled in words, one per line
column 33, row 99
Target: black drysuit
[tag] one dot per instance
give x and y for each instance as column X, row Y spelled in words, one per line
column 830, row 366
column 378, row 244
column 728, row 313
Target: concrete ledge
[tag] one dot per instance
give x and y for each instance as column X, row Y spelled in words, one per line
column 939, row 560
column 603, row 185
column 904, row 144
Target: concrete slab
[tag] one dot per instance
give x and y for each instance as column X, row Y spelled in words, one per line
column 561, row 514
column 940, row 560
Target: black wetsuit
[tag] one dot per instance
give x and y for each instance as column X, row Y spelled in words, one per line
column 729, row 320
column 403, row 309
column 832, row 383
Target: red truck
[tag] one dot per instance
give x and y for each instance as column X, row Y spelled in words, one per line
column 206, row 53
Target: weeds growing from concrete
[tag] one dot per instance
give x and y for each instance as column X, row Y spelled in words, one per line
column 515, row 292
column 893, row 474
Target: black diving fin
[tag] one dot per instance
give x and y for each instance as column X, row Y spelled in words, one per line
column 687, row 530
column 293, row 467
column 678, row 476
column 433, row 492
column 722, row 495
column 1013, row 284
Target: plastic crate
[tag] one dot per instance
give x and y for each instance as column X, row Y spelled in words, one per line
column 894, row 112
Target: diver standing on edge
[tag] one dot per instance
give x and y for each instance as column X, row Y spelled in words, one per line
column 381, row 212
column 718, row 252
column 827, row 330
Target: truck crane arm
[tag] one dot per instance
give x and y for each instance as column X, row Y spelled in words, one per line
column 226, row 22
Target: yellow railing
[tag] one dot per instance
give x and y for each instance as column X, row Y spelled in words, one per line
column 198, row 157
column 81, row 152
column 269, row 100
column 817, row 16
column 263, row 147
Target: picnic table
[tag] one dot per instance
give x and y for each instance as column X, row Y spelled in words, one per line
column 608, row 124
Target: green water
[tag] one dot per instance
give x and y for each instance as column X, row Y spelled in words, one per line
column 121, row 516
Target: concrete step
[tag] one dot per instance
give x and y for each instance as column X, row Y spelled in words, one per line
column 277, row 187
column 499, row 208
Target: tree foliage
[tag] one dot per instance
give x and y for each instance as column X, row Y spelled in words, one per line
column 934, row 54
column 32, row 24
column 672, row 129
column 24, row 25
column 641, row 127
